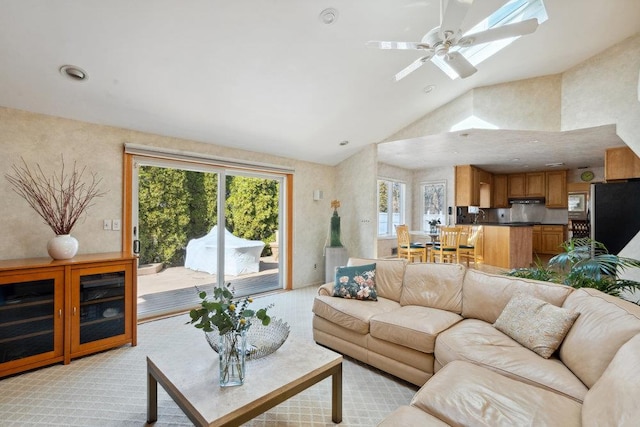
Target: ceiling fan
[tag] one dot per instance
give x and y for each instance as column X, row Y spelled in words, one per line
column 445, row 40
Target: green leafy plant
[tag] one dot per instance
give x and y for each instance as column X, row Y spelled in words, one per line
column 585, row 263
column 224, row 313
column 434, row 222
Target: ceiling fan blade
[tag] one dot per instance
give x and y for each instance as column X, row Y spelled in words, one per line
column 459, row 64
column 412, row 67
column 453, row 16
column 393, row 45
column 498, row 33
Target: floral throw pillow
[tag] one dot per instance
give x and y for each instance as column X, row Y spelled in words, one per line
column 536, row 324
column 356, row 282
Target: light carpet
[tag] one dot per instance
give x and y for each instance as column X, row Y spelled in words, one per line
column 109, row 388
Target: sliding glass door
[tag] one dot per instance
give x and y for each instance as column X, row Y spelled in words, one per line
column 198, row 226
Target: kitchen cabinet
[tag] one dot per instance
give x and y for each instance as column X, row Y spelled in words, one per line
column 621, row 163
column 507, row 247
column 499, row 196
column 52, row 311
column 547, row 239
column 473, row 186
column 467, row 186
column 556, row 193
column 526, row 184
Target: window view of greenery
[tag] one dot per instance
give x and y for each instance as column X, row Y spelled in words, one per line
column 390, row 206
column 176, row 206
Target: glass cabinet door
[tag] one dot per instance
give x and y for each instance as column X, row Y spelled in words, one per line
column 102, row 306
column 30, row 316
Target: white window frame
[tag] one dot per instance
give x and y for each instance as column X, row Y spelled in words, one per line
column 390, row 229
column 442, row 214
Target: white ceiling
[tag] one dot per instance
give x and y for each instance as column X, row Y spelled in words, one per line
column 504, row 151
column 267, row 75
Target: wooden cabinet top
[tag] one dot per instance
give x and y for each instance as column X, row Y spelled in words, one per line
column 26, row 263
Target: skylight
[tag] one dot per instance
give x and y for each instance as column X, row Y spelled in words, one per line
column 512, row 12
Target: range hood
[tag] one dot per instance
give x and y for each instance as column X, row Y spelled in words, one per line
column 528, row 201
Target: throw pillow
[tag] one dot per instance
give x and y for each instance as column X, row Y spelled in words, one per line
column 356, row 282
column 536, row 324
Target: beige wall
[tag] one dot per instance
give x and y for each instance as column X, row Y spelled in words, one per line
column 356, row 188
column 40, row 138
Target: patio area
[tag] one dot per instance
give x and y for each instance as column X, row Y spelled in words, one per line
column 173, row 290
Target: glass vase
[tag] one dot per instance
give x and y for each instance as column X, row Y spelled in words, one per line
column 232, row 351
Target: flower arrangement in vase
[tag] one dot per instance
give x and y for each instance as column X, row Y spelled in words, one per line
column 433, row 225
column 60, row 200
column 232, row 319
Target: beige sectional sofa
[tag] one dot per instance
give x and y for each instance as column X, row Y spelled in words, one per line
column 437, row 320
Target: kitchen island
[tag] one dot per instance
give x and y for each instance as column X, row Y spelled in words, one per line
column 508, row 245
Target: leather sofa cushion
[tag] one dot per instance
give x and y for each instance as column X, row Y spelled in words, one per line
column 410, row 416
column 351, row 314
column 604, row 324
column 433, row 285
column 485, row 295
column 464, row 394
column 479, row 342
column 389, row 275
column 413, row 326
column 613, row 399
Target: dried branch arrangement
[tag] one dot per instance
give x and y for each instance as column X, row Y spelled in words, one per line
column 60, row 199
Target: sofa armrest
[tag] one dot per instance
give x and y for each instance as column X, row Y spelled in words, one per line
column 326, row 289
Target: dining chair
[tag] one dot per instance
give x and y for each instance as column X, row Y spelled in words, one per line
column 448, row 248
column 409, row 250
column 471, row 244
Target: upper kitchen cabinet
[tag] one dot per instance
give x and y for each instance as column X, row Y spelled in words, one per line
column 526, row 184
column 556, row 195
column 499, row 197
column 467, row 186
column 621, row 163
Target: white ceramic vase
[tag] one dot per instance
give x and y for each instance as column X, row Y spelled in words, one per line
column 62, row 246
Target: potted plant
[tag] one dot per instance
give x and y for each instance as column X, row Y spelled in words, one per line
column 585, row 263
column 231, row 319
column 433, row 225
column 60, row 200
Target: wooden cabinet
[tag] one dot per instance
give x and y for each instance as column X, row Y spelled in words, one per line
column 536, row 184
column 526, row 184
column 31, row 319
column 621, row 163
column 557, row 195
column 547, row 239
column 499, row 196
column 53, row 311
column 467, row 186
column 517, row 185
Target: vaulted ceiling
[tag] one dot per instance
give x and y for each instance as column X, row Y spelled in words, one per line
column 264, row 75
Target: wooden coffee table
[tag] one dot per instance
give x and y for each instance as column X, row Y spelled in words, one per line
column 190, row 376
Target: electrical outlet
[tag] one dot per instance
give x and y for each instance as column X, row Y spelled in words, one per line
column 115, row 225
column 106, row 224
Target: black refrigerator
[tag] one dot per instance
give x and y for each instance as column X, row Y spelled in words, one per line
column 615, row 213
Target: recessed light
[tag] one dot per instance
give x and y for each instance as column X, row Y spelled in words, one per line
column 329, row 16
column 515, row 160
column 554, row 165
column 73, row 72
column 343, row 143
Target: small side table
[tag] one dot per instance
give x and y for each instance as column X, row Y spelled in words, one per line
column 334, row 257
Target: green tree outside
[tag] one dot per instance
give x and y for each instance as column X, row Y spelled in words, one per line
column 176, row 206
